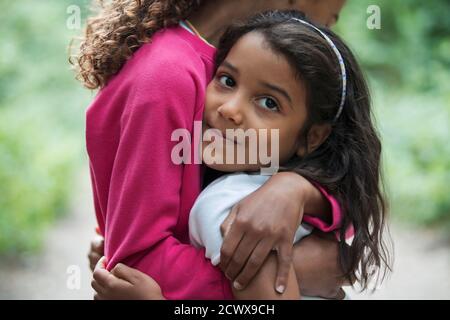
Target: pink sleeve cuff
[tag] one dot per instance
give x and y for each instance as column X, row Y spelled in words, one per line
column 336, row 218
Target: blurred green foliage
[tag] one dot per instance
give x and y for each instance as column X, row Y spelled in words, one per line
column 42, row 109
column 41, row 120
column 407, row 62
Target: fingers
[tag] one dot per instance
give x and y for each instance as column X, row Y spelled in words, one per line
column 101, row 264
column 98, row 245
column 97, row 287
column 96, row 252
column 284, row 265
column 227, row 223
column 93, row 260
column 100, row 284
column 230, row 243
column 107, row 285
column 254, row 263
column 239, row 259
column 126, row 273
column 101, row 276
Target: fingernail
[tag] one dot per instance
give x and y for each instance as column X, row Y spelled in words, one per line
column 280, row 289
column 237, row 285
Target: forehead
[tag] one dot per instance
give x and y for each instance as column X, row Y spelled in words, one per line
column 258, row 66
column 253, row 55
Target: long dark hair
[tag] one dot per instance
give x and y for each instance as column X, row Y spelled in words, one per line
column 347, row 164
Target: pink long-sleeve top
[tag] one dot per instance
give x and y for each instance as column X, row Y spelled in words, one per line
column 142, row 199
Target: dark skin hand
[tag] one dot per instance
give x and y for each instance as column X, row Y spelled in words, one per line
column 123, row 283
column 254, row 229
column 316, row 264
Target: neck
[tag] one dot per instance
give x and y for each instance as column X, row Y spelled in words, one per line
column 213, row 17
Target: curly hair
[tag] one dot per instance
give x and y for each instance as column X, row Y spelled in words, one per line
column 119, row 29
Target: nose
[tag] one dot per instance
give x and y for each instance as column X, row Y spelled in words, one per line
column 232, row 110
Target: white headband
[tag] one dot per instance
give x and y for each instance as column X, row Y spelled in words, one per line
column 341, row 64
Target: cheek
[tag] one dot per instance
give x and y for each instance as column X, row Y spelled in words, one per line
column 288, row 142
column 210, row 98
column 213, row 101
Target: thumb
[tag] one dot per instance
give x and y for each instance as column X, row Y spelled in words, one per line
column 101, row 264
column 284, row 264
column 126, row 273
column 131, row 275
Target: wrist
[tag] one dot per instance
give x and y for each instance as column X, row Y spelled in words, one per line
column 295, row 190
column 311, row 200
column 297, row 181
column 299, row 186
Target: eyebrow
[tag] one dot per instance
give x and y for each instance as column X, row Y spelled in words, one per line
column 277, row 89
column 230, row 66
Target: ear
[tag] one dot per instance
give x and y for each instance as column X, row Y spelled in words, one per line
column 316, row 136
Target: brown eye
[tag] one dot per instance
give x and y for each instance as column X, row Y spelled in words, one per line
column 268, row 103
column 227, row 81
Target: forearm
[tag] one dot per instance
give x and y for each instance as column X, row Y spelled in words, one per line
column 317, row 267
column 262, row 286
column 315, row 203
column 181, row 270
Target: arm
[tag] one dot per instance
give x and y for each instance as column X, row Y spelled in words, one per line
column 315, row 270
column 317, row 267
column 317, row 273
column 267, row 219
column 123, row 283
column 261, row 287
column 142, row 216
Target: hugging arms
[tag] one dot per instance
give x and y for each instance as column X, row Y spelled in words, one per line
column 314, row 265
column 145, row 224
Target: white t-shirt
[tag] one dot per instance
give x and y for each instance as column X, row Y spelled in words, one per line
column 215, row 203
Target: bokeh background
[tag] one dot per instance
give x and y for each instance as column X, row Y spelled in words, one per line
column 46, row 214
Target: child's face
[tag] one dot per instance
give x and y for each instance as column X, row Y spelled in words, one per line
column 254, row 88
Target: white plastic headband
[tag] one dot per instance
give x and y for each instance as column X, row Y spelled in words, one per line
column 341, row 64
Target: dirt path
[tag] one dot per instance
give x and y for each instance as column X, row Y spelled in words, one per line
column 45, row 276
column 422, row 266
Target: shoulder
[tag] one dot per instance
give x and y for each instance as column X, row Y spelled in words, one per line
column 165, row 75
column 167, row 59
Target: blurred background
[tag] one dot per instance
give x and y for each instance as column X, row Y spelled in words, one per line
column 46, row 213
